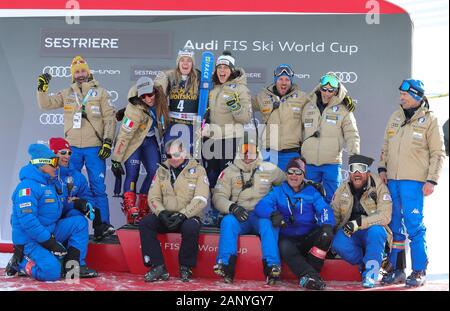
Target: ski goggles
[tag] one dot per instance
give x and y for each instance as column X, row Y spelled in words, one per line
column 53, row 162
column 332, row 80
column 249, row 148
column 64, row 152
column 293, row 171
column 283, row 69
column 407, row 87
column 358, row 167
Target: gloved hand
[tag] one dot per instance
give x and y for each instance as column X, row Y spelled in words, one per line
column 105, row 150
column 177, row 220
column 352, row 226
column 54, row 247
column 232, row 101
column 164, row 217
column 278, row 219
column 82, row 206
column 43, row 81
column 239, row 212
column 117, row 168
column 349, row 104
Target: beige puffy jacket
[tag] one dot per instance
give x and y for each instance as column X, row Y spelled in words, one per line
column 287, row 117
column 188, row 195
column 99, row 110
column 337, row 128
column 413, row 150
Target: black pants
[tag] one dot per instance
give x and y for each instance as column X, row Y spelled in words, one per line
column 152, row 255
column 296, row 252
column 215, row 165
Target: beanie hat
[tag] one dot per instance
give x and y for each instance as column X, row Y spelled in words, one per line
column 78, row 63
column 58, row 143
column 186, row 53
column 226, row 59
column 40, row 153
column 296, row 163
column 358, row 158
column 283, row 70
column 144, row 86
column 415, row 88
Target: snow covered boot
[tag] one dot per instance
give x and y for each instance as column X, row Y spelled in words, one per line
column 129, row 207
column 416, row 279
column 185, row 273
column 143, row 207
column 312, row 282
column 158, row 273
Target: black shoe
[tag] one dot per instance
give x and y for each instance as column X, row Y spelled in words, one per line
column 416, row 279
column 395, row 277
column 158, row 273
column 312, row 282
column 185, row 273
column 274, row 275
column 223, row 271
column 87, row 273
column 12, row 268
column 102, row 231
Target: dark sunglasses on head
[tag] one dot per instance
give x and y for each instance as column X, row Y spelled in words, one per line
column 324, row 89
column 358, row 167
column 292, row 171
column 64, row 152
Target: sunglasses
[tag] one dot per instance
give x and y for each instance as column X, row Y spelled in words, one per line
column 175, row 155
column 64, row 152
column 329, row 79
column 406, row 87
column 143, row 96
column 292, row 171
column 358, row 167
column 248, row 148
column 53, row 162
column 283, row 70
column 327, row 90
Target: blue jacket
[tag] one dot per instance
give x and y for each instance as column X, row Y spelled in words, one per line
column 310, row 209
column 80, row 188
column 36, row 206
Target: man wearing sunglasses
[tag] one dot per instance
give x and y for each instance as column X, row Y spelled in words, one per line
column 411, row 161
column 89, row 125
column 328, row 126
column 281, row 104
column 38, row 233
column 77, row 195
column 239, row 187
column 362, row 208
column 305, row 222
column 178, row 196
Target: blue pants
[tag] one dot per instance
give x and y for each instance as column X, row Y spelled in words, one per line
column 231, row 228
column 407, row 211
column 184, row 132
column 328, row 174
column 281, row 159
column 148, row 154
column 363, row 248
column 72, row 232
column 96, row 169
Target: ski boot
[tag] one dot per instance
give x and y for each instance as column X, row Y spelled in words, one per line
column 158, row 273
column 272, row 273
column 12, row 268
column 226, row 271
column 129, row 207
column 143, row 207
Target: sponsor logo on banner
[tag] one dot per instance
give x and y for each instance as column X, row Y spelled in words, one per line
column 256, row 75
column 51, row 119
column 346, row 77
column 145, row 71
column 64, row 71
column 106, row 43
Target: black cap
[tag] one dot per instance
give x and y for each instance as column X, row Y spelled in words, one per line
column 358, row 158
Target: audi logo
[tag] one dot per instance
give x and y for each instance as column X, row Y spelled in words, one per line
column 346, row 77
column 52, row 119
column 57, row 71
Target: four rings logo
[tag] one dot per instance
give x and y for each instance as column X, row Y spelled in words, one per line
column 52, row 119
column 346, row 77
column 64, row 71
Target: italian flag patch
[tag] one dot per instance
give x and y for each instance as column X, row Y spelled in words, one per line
column 128, row 123
column 24, row 192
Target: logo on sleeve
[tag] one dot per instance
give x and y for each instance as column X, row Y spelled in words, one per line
column 24, row 192
column 26, row 204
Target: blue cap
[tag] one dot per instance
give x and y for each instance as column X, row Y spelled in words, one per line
column 415, row 88
column 40, row 151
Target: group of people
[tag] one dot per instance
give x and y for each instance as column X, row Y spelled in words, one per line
column 281, row 180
